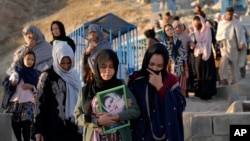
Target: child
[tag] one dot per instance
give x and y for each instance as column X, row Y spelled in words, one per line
column 87, row 112
column 21, row 101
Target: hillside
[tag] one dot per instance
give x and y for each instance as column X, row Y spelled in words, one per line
column 15, row 14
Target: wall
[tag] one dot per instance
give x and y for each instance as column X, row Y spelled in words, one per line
column 212, row 126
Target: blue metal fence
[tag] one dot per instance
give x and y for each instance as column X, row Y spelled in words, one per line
column 124, row 39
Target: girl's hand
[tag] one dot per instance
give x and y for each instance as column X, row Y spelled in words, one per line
column 107, row 119
column 129, row 102
column 39, row 137
column 155, row 80
column 27, row 86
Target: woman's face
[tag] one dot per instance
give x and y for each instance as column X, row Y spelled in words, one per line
column 92, row 35
column 197, row 24
column 114, row 104
column 55, row 30
column 107, row 70
column 65, row 63
column 169, row 31
column 156, row 62
column 178, row 29
column 208, row 24
column 29, row 60
column 228, row 16
column 28, row 36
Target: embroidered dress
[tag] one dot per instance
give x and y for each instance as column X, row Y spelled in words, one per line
column 97, row 135
column 21, row 104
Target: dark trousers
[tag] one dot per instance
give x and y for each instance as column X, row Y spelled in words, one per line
column 20, row 128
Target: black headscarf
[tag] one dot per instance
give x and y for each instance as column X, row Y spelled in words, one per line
column 62, row 36
column 28, row 74
column 98, row 84
column 157, row 48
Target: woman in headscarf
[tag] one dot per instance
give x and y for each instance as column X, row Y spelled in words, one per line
column 96, row 42
column 159, row 97
column 58, row 33
column 34, row 41
column 205, row 71
column 177, row 56
column 56, row 98
column 87, row 112
column 150, row 37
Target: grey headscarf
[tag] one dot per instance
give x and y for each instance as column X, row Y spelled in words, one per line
column 42, row 50
column 71, row 77
column 102, row 43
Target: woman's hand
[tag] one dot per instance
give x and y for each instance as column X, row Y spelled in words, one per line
column 39, row 137
column 155, row 80
column 192, row 45
column 91, row 47
column 31, row 43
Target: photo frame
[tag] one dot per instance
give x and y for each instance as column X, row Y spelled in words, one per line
column 113, row 101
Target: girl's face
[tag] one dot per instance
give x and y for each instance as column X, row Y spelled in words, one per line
column 29, row 60
column 56, row 30
column 169, row 31
column 65, row 63
column 107, row 70
column 156, row 62
column 114, row 104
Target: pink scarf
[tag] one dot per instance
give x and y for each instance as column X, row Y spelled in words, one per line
column 204, row 40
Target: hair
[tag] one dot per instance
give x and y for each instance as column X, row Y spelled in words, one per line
column 168, row 14
column 29, row 52
column 197, row 18
column 60, row 26
column 150, row 33
column 160, row 14
column 177, row 18
column 199, row 7
column 230, row 9
column 210, row 21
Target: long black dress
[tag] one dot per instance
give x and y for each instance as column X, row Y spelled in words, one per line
column 51, row 109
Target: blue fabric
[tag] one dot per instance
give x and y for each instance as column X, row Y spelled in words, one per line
column 29, row 75
column 166, row 116
column 8, row 92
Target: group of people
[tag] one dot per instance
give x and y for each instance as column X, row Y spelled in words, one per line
column 44, row 94
column 205, row 53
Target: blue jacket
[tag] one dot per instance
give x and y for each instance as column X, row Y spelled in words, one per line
column 165, row 117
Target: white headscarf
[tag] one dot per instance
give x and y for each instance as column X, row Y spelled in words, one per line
column 71, row 77
column 204, row 40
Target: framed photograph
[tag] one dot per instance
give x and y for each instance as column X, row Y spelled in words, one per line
column 113, row 101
